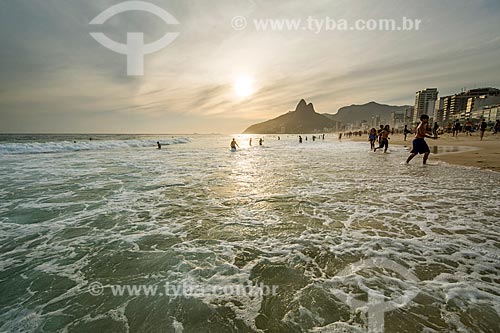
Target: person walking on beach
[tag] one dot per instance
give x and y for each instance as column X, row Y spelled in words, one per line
column 435, row 129
column 456, row 128
column 234, row 144
column 468, row 127
column 497, row 127
column 482, row 128
column 384, row 139
column 372, row 137
column 419, row 144
column 406, row 131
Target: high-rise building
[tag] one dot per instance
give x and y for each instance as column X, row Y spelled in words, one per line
column 459, row 106
column 425, row 101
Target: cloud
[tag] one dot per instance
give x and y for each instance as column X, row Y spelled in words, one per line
column 53, row 72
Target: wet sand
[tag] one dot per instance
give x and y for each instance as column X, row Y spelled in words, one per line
column 461, row 150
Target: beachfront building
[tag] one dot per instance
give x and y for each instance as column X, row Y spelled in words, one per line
column 459, row 106
column 409, row 115
column 376, row 121
column 489, row 113
column 398, row 119
column 425, row 102
column 439, row 110
column 477, row 103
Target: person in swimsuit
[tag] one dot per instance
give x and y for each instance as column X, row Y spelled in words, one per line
column 372, row 137
column 419, row 144
column 158, row 144
column 234, row 144
column 384, row 138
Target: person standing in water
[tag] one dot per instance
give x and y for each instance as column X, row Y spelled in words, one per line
column 250, row 142
column 234, row 144
column 158, row 144
column 260, row 141
column 300, row 139
column 419, row 144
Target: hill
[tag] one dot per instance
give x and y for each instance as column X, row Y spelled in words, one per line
column 303, row 120
column 357, row 113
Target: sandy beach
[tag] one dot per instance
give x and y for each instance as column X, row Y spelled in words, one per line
column 461, row 150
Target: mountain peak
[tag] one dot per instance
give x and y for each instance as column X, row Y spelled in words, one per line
column 301, row 104
column 303, row 120
column 304, row 107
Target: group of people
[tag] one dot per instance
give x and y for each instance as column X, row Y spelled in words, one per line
column 235, row 145
column 314, row 137
column 419, row 146
column 382, row 136
column 470, row 127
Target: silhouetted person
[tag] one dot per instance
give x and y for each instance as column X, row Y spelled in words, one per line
column 419, row 144
column 300, row 139
column 379, row 133
column 372, row 137
column 260, row 141
column 384, row 139
column 482, row 128
column 250, row 142
column 279, row 138
column 234, row 144
column 406, row 131
column 435, row 129
column 468, row 127
column 496, row 129
column 159, row 144
column 456, row 128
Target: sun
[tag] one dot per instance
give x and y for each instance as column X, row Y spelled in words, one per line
column 243, row 86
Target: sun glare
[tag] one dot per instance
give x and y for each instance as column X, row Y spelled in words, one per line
column 243, row 86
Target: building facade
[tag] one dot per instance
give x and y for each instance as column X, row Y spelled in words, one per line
column 425, row 102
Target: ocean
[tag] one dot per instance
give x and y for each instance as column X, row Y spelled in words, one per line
column 114, row 235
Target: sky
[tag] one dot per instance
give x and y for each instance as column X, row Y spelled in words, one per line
column 55, row 78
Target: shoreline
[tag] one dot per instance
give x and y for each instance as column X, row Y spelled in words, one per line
column 461, row 150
